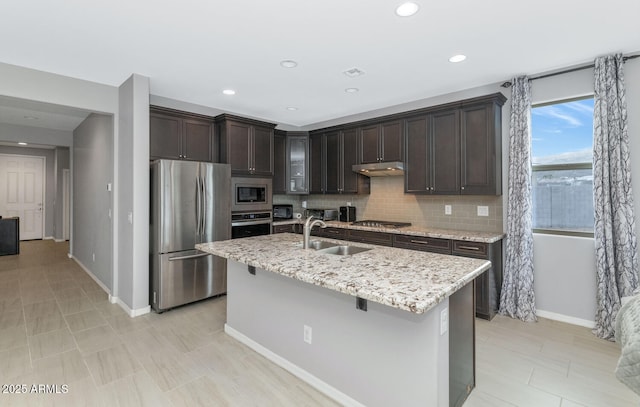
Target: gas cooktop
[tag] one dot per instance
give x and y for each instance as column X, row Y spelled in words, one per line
column 381, row 224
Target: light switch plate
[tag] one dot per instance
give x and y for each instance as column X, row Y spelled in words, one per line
column 444, row 321
column 483, row 211
column 447, row 209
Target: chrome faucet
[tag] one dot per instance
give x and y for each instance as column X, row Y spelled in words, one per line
column 308, row 225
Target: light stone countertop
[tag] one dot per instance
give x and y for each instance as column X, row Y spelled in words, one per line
column 406, row 279
column 451, row 234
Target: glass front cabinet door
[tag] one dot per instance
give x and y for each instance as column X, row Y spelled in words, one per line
column 297, row 165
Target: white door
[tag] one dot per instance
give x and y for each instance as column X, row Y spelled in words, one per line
column 21, row 181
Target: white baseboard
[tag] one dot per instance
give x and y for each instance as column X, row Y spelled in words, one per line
column 48, row 238
column 297, row 371
column 114, row 300
column 566, row 318
column 59, row 240
column 131, row 312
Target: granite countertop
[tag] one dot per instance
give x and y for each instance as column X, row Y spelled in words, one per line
column 406, row 279
column 451, row 234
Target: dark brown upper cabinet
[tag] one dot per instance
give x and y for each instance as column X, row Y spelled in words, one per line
column 481, row 148
column 246, row 144
column 433, row 154
column 179, row 135
column 279, row 162
column 381, row 142
column 316, row 163
column 456, row 150
column 332, row 155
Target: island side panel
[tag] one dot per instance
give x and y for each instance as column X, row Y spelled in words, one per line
column 381, row 357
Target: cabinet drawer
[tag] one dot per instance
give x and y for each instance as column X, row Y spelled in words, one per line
column 425, row 244
column 364, row 236
column 334, row 233
column 284, row 228
column 473, row 249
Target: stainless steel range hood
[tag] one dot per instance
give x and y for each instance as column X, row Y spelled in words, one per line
column 392, row 168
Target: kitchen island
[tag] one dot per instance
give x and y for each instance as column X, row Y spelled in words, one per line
column 367, row 329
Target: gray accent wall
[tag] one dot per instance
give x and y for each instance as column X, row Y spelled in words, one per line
column 50, row 181
column 62, row 162
column 92, row 203
column 132, row 175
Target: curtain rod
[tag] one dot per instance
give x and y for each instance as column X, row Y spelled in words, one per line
column 507, row 84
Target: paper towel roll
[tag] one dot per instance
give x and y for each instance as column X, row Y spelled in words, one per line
column 297, row 215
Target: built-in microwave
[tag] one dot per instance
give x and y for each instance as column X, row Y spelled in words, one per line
column 250, row 194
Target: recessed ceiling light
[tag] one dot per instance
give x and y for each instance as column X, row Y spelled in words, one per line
column 288, row 63
column 229, row 92
column 22, row 143
column 407, row 9
column 292, row 108
column 352, row 90
column 457, row 58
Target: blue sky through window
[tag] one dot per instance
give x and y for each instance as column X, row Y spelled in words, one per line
column 562, row 133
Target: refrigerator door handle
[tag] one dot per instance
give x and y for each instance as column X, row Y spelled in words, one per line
column 198, row 206
column 204, row 206
column 191, row 256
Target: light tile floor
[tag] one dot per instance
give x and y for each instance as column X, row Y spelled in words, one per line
column 58, row 328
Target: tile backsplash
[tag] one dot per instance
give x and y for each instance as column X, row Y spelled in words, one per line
column 388, row 201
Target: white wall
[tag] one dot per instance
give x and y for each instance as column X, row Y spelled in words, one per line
column 564, row 267
column 35, row 135
column 93, row 170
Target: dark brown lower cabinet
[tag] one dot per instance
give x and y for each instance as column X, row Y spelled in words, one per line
column 334, row 233
column 488, row 284
column 462, row 345
column 288, row 228
column 365, row 236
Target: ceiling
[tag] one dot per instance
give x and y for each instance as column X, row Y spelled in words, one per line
column 193, row 49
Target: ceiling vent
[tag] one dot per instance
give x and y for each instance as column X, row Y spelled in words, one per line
column 353, row 72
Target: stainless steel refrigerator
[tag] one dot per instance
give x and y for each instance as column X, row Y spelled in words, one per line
column 190, row 203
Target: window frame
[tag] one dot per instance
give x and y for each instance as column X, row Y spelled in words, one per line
column 555, row 167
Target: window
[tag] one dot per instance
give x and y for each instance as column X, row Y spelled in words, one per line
column 562, row 177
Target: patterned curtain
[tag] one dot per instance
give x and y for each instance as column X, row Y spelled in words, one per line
column 517, row 299
column 614, row 231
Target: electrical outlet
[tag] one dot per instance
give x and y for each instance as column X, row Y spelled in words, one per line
column 447, row 209
column 348, row 203
column 307, row 334
column 93, row 256
column 304, row 204
column 483, row 211
column 444, row 321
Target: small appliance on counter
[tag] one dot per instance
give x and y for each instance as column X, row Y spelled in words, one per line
column 324, row 214
column 282, row 212
column 347, row 214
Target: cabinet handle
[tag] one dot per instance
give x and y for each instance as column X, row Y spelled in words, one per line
column 469, row 248
column 420, row 241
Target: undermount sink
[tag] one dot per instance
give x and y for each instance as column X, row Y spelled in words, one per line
column 320, row 245
column 343, row 250
column 333, row 248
